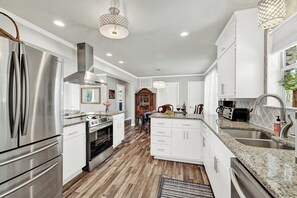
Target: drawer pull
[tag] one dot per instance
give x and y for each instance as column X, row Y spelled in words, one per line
column 73, row 133
column 161, row 149
column 161, row 140
column 161, row 132
column 186, row 124
column 161, row 123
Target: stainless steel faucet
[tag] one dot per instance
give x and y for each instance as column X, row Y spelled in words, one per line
column 285, row 126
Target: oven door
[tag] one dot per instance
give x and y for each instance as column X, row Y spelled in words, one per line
column 100, row 139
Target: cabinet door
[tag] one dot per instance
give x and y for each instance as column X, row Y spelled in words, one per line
column 213, row 172
column 193, row 144
column 225, row 180
column 178, row 143
column 226, row 73
column 122, row 130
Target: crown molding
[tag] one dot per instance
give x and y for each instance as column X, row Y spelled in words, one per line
column 170, row 76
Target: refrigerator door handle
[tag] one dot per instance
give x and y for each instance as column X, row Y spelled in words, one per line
column 28, row 154
column 26, row 92
column 14, row 108
column 29, row 181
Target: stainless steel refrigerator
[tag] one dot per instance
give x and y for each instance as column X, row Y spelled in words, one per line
column 30, row 122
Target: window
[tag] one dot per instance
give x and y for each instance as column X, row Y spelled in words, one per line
column 289, row 75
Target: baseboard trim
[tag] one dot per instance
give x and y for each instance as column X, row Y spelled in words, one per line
column 179, row 160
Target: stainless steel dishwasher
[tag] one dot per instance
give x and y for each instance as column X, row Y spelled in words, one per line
column 243, row 183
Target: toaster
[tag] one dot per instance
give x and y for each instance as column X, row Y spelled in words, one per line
column 236, row 114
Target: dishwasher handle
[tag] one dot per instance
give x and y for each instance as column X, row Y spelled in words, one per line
column 235, row 183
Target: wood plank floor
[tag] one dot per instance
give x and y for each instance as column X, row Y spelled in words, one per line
column 132, row 172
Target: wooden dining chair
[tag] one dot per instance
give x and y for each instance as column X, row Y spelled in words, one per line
column 164, row 108
column 199, row 109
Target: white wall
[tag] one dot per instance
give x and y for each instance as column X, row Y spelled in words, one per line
column 183, row 85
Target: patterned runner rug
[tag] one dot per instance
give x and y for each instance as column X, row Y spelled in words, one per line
column 170, row 188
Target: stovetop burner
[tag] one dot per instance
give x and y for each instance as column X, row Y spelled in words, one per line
column 97, row 120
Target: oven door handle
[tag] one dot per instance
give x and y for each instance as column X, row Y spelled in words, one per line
column 235, row 183
column 94, row 129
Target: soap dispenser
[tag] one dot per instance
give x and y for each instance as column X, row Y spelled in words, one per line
column 277, row 126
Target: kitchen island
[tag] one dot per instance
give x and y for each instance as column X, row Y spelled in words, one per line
column 275, row 169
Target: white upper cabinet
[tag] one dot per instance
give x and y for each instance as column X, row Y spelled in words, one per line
column 240, row 54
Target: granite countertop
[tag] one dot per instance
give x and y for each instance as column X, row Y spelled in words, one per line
column 74, row 121
column 177, row 116
column 97, row 113
column 275, row 169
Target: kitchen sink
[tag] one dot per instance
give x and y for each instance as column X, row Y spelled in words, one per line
column 264, row 143
column 247, row 134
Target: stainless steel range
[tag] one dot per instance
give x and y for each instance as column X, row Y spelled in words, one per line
column 99, row 140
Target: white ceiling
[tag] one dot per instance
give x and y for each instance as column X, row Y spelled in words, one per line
column 155, row 26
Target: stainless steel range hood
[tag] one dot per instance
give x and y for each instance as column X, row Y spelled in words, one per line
column 85, row 61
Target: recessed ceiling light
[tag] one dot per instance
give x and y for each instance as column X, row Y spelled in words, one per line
column 108, row 54
column 121, row 62
column 59, row 23
column 183, row 34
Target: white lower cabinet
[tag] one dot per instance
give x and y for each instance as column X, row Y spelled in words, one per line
column 176, row 140
column 216, row 159
column 118, row 129
column 74, row 151
column 186, row 144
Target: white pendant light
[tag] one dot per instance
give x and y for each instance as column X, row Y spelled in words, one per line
column 113, row 25
column 159, row 84
column 271, row 13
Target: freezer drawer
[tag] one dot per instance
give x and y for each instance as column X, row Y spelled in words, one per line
column 21, row 160
column 42, row 182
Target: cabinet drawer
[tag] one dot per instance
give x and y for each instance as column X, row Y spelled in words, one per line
column 160, row 140
column 227, row 37
column 73, row 131
column 156, row 122
column 159, row 131
column 187, row 124
column 160, row 150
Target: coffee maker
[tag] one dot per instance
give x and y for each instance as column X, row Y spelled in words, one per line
column 223, row 104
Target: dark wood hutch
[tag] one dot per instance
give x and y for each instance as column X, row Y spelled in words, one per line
column 145, row 101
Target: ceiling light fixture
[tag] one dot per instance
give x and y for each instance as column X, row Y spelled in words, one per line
column 113, row 25
column 183, row 34
column 121, row 62
column 271, row 13
column 59, row 23
column 159, row 84
column 108, row 54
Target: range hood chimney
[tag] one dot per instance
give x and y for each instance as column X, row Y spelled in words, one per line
column 85, row 61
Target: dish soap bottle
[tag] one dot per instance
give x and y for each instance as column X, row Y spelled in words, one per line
column 277, row 126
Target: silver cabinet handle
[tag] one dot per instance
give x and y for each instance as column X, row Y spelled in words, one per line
column 203, row 141
column 222, row 89
column 235, row 183
column 160, row 132
column 216, row 167
column 15, row 116
column 25, row 76
column 29, row 181
column 73, row 133
column 28, row 154
column 161, row 149
column 186, row 124
column 161, row 140
column 161, row 123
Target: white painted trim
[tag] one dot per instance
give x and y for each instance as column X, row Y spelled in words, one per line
column 178, row 160
column 169, row 76
column 113, row 66
column 213, row 65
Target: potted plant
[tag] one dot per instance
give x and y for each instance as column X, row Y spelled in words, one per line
column 289, row 82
